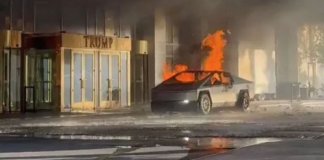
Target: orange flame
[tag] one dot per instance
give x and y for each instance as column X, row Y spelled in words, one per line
column 167, row 72
column 185, row 78
column 216, row 42
column 214, row 61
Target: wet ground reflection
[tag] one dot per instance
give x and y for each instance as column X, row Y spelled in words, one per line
column 200, row 147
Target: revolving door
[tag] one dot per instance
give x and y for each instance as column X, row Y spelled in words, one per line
column 39, row 80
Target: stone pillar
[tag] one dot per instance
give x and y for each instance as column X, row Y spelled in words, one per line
column 160, row 44
column 256, row 59
column 286, row 60
column 231, row 54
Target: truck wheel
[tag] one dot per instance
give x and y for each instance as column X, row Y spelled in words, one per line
column 244, row 100
column 204, row 104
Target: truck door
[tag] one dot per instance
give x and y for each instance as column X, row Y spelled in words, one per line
column 217, row 90
column 229, row 90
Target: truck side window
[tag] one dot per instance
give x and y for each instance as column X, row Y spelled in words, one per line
column 216, row 79
column 226, row 79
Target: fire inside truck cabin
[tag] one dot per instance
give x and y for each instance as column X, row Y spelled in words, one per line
column 82, row 55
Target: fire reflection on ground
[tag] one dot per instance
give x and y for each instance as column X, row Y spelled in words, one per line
column 217, row 145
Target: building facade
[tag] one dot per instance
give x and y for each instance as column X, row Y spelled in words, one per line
column 66, row 55
column 82, row 55
column 74, row 72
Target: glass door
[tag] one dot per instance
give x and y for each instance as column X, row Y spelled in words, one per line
column 6, row 76
column 109, row 81
column 140, row 88
column 124, row 80
column 105, row 81
column 39, row 87
column 11, row 94
column 88, row 82
column 115, row 81
column 77, row 81
column 30, row 62
column 82, row 81
column 44, row 81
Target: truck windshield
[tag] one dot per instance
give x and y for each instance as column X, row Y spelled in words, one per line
column 188, row 77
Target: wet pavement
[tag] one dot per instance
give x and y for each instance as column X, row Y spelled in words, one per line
column 145, row 136
column 183, row 148
column 287, row 150
column 225, row 123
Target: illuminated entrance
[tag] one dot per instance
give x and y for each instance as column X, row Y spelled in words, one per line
column 95, row 80
column 76, row 73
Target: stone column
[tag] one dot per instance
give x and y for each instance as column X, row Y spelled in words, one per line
column 160, row 44
column 286, row 60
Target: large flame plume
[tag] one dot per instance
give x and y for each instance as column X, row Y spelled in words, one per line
column 216, row 43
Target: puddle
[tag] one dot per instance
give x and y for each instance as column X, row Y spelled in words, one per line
column 87, row 137
column 225, row 143
column 200, row 147
column 187, row 147
column 152, row 141
column 202, row 143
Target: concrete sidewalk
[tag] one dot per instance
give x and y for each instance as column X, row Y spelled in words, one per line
column 288, row 106
column 55, row 114
column 144, row 111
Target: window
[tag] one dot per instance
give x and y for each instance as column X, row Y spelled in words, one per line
column 46, row 21
column 216, row 79
column 67, row 78
column 172, row 43
column 47, row 79
column 188, row 77
column 111, row 24
column 74, row 17
column 100, row 20
column 220, row 79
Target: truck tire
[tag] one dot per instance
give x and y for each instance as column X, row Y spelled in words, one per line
column 204, row 104
column 243, row 101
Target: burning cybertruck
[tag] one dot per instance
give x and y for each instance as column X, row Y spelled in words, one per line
column 200, row 91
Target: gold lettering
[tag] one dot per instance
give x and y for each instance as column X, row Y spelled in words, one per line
column 92, row 42
column 111, row 40
column 86, row 38
column 105, row 42
column 98, row 41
